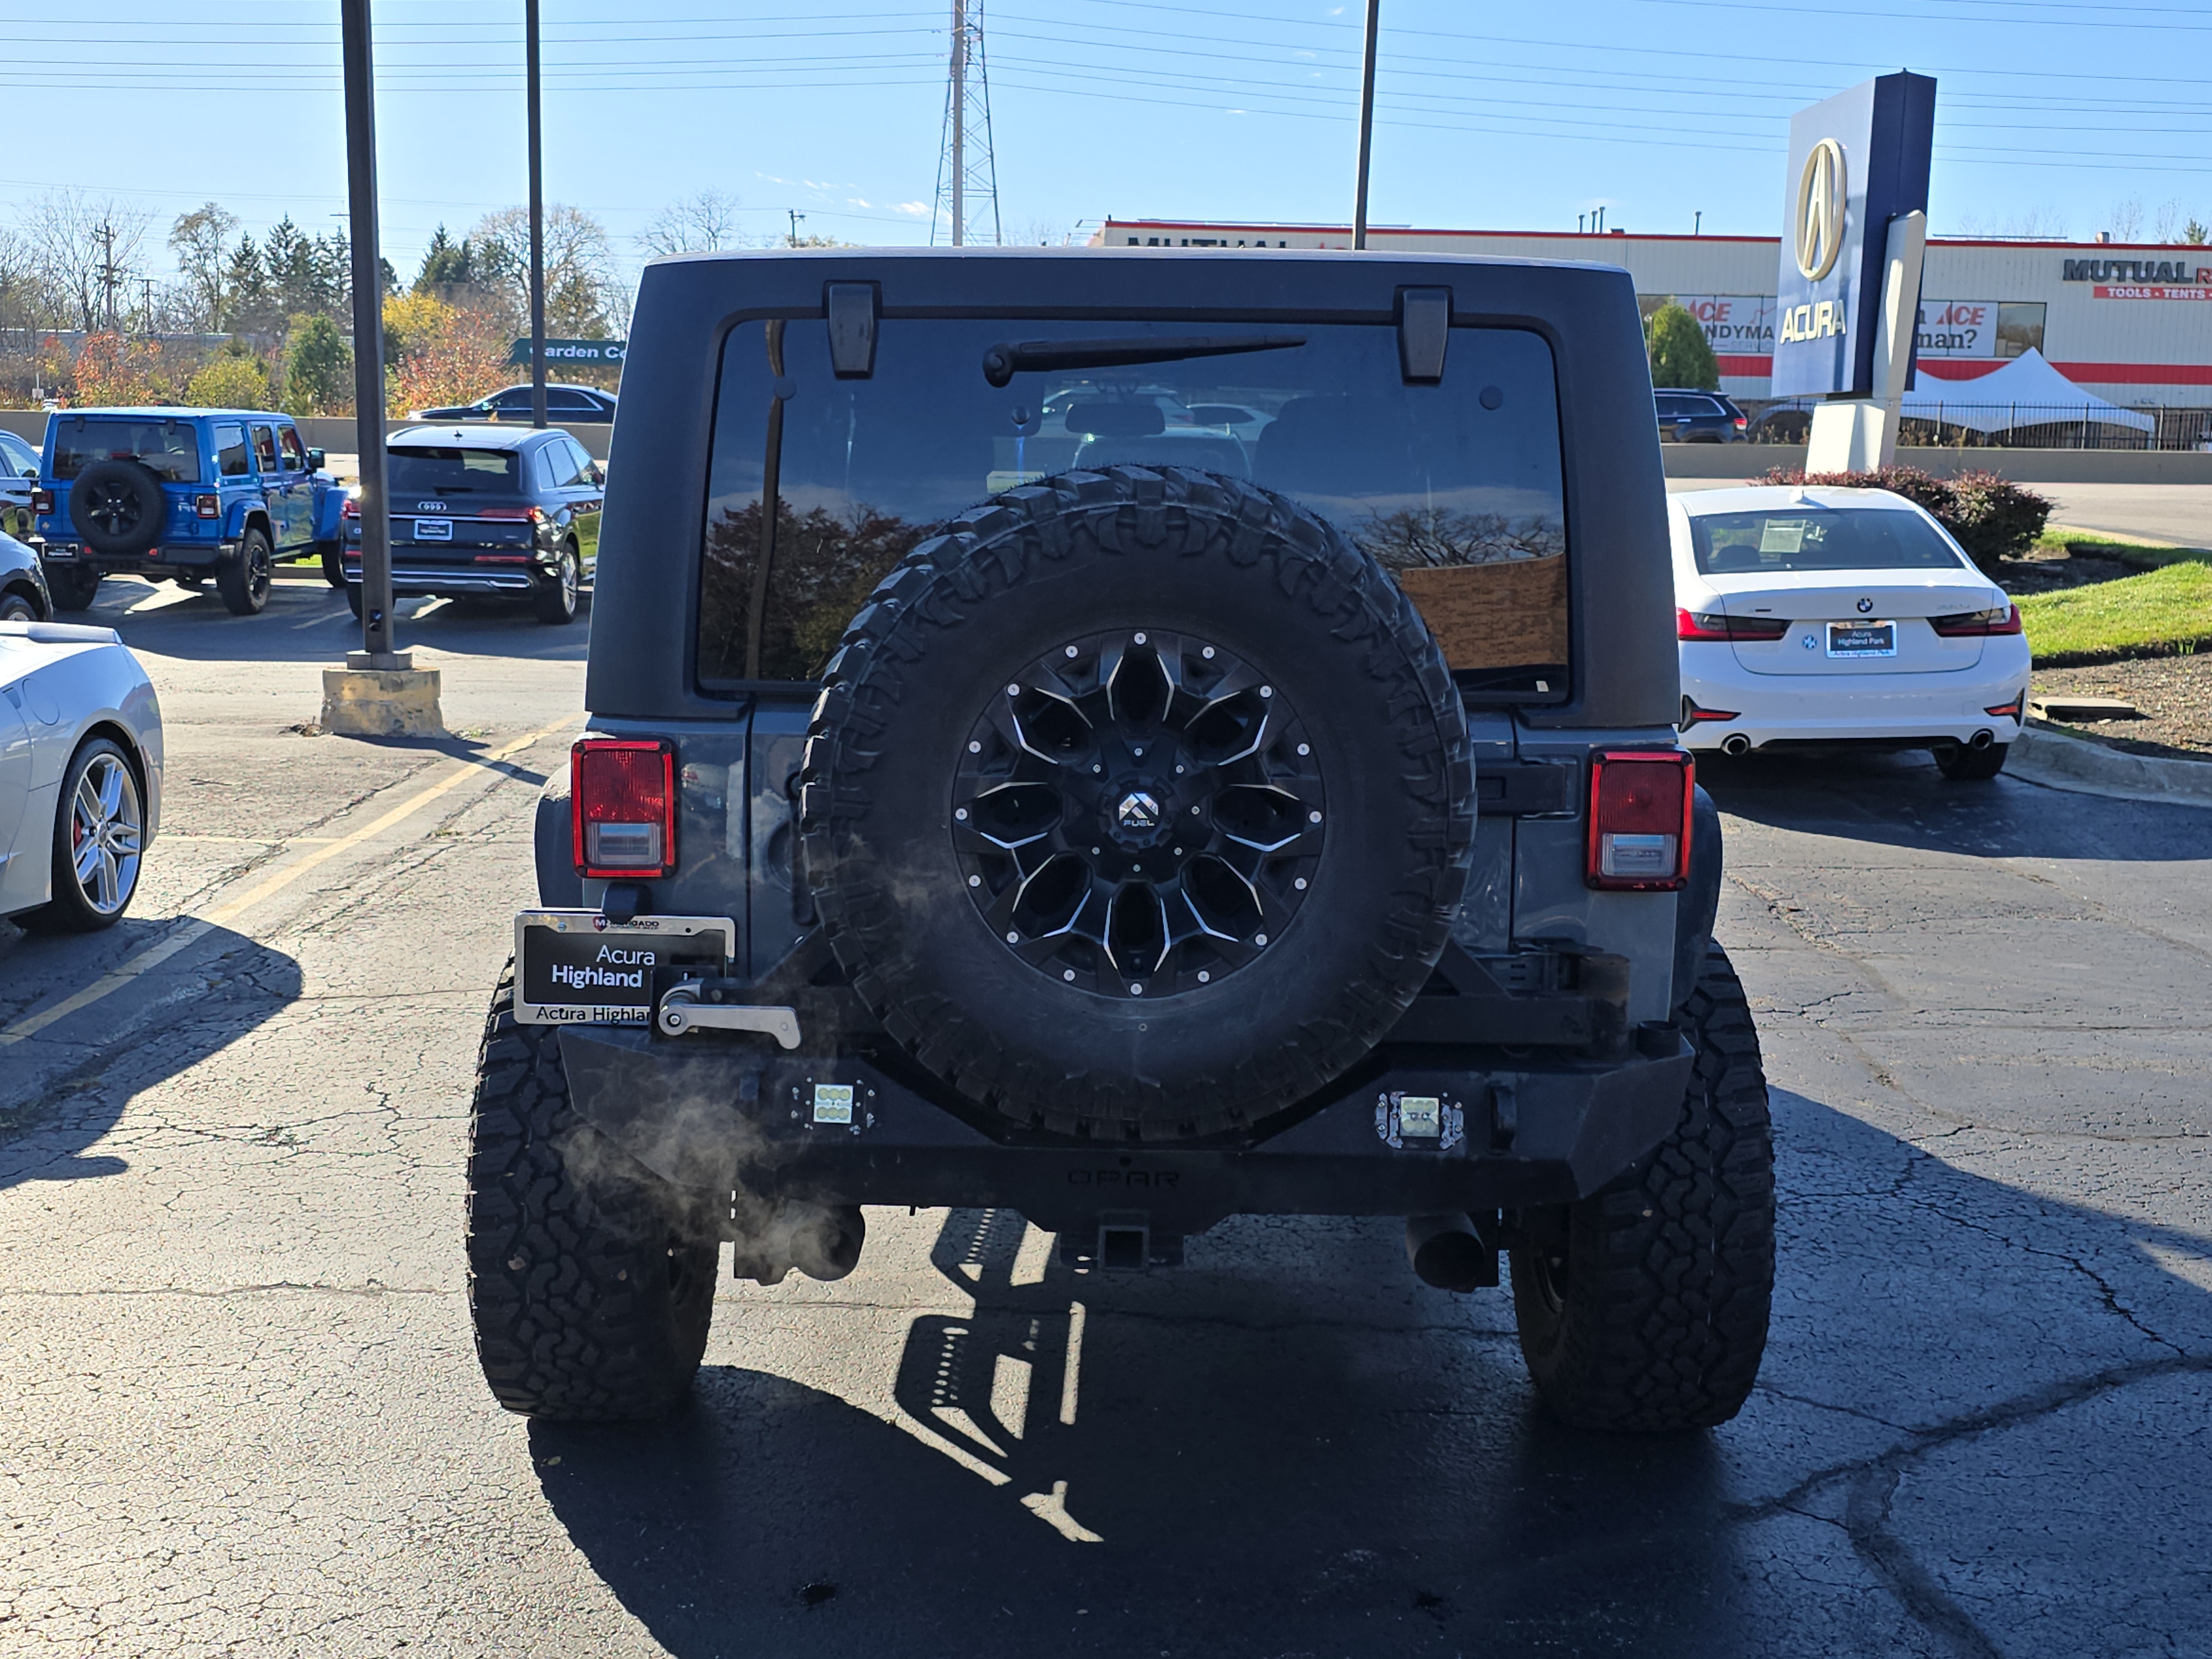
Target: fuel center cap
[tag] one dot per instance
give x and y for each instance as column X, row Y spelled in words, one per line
column 1138, row 818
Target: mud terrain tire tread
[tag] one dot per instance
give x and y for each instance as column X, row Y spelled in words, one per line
column 928, row 606
column 591, row 1299
column 1668, row 1332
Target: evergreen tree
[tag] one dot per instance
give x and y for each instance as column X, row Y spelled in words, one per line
column 318, row 368
column 1681, row 354
column 246, row 300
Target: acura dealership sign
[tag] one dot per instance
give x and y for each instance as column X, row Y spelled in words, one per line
column 1857, row 161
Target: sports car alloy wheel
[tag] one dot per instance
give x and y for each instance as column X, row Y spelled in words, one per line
column 1138, row 813
column 105, row 829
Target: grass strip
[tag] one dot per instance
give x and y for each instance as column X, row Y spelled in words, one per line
column 2163, row 613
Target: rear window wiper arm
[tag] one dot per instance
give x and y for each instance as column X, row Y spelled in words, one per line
column 1002, row 362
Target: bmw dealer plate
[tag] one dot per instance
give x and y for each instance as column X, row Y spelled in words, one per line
column 1866, row 638
column 433, row 529
column 576, row 968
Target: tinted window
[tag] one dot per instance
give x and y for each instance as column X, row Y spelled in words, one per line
column 1818, row 539
column 580, row 458
column 265, row 448
column 230, row 458
column 1427, row 479
column 422, row 470
column 295, row 452
column 513, row 398
column 170, row 449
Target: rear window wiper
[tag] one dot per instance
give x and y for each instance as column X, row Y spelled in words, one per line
column 1002, row 362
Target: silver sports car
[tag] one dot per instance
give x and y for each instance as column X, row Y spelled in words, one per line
column 80, row 774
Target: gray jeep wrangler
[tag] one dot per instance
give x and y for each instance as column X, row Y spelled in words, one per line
column 1133, row 739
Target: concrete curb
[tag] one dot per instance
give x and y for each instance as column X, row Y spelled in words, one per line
column 2058, row 760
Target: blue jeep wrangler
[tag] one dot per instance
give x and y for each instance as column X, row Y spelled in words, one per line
column 183, row 493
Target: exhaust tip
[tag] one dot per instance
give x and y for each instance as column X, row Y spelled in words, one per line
column 1736, row 744
column 1448, row 1253
column 1981, row 739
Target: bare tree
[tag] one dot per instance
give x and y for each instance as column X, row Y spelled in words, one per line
column 87, row 247
column 2169, row 220
column 201, row 241
column 698, row 224
column 2127, row 219
column 584, row 298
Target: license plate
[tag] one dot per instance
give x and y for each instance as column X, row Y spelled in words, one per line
column 576, row 968
column 433, row 529
column 1873, row 639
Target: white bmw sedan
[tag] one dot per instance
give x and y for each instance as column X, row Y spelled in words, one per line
column 1818, row 616
column 80, row 774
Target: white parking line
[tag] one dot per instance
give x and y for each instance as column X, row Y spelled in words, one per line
column 190, row 929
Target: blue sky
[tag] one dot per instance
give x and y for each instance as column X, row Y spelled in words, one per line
column 2051, row 113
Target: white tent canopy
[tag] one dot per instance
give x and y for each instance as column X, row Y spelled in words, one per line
column 2026, row 392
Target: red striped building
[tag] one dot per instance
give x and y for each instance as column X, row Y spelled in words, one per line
column 2131, row 323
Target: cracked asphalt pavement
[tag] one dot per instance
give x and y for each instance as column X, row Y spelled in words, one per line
column 240, row 1414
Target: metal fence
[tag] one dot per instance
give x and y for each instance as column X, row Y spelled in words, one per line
column 1969, row 425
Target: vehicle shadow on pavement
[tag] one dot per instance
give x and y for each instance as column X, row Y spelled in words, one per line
column 309, row 622
column 1901, row 800
column 1980, row 1429
column 64, row 1089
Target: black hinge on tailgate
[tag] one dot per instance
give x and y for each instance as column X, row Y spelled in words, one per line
column 1524, row 788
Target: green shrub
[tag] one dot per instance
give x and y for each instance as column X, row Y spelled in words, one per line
column 318, row 368
column 1991, row 517
column 1681, row 354
column 228, row 382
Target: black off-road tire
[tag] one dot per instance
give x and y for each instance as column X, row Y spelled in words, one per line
column 73, row 586
column 243, row 578
column 118, row 507
column 591, row 1280
column 1960, row 764
column 1189, row 554
column 1644, row 1308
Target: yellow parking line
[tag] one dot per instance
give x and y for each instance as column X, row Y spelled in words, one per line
column 154, row 955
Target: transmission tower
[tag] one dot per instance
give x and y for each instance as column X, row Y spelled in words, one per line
column 967, row 177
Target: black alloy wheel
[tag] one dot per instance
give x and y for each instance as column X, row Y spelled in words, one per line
column 1139, row 813
column 244, row 576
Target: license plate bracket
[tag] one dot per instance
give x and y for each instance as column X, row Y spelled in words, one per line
column 577, row 967
column 1866, row 638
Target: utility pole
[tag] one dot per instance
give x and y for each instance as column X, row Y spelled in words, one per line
column 1697, row 223
column 146, row 317
column 537, row 225
column 959, row 122
column 107, row 272
column 376, row 636
column 797, row 219
column 1366, row 125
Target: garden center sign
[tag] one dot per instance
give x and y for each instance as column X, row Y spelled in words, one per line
column 571, row 351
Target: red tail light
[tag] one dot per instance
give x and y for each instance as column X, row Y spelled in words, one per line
column 1741, row 421
column 1639, row 820
column 1693, row 715
column 622, row 806
column 1711, row 625
column 351, row 507
column 1969, row 624
column 535, row 514
column 42, row 500
column 208, row 507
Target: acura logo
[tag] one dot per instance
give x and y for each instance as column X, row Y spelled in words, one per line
column 1137, row 810
column 1866, row 607
column 1819, row 225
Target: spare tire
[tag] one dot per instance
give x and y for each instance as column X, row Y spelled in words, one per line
column 1138, row 804
column 118, row 507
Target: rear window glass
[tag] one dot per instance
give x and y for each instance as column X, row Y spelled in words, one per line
column 1818, row 539
column 426, row 470
column 1455, row 488
column 170, row 449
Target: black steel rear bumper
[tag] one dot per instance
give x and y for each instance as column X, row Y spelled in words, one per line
column 721, row 1111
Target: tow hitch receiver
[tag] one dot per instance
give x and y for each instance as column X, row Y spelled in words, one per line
column 1124, row 1242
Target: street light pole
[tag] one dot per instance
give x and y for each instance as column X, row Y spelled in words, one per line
column 376, row 639
column 536, row 226
column 1366, row 125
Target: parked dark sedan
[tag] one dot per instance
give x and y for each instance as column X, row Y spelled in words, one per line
column 478, row 514
column 1690, row 416
column 562, row 403
column 23, row 595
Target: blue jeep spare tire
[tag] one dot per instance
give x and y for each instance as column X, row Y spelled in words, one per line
column 118, row 508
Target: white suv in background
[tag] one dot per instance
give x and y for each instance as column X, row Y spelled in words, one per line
column 1813, row 616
